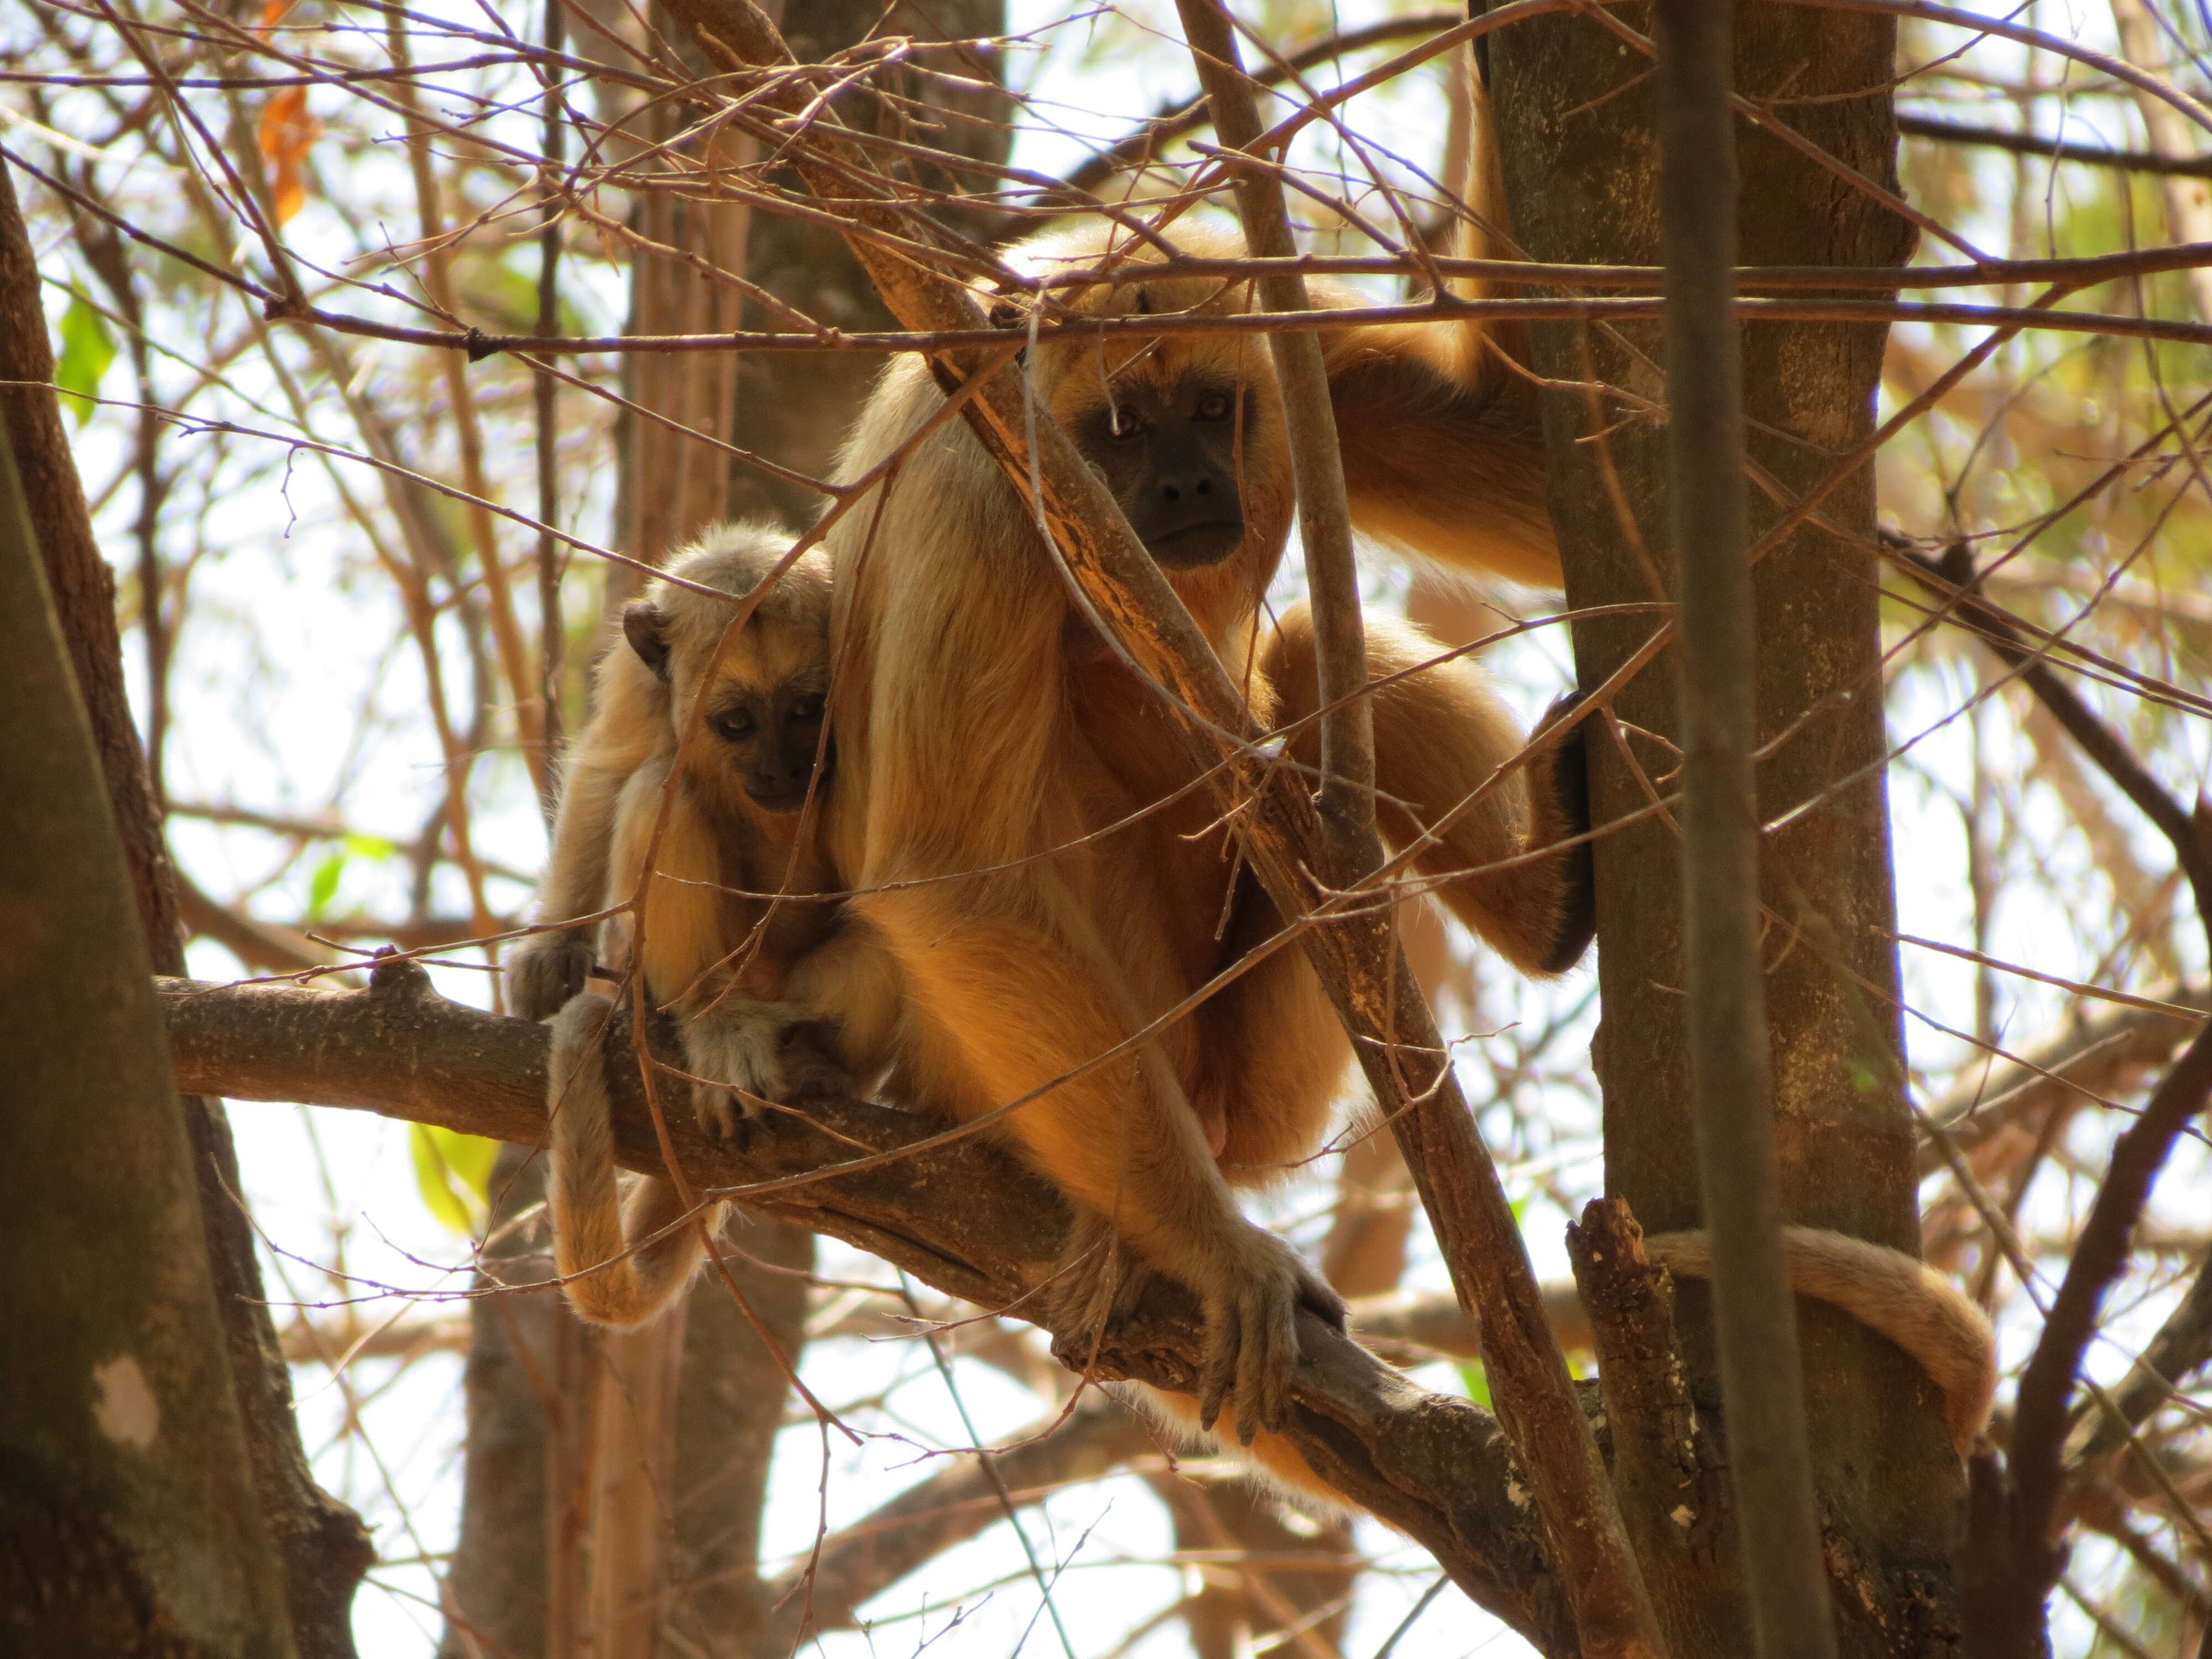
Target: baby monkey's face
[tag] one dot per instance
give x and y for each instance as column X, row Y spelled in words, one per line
column 770, row 735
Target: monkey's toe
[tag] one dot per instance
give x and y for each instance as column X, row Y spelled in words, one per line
column 719, row 1111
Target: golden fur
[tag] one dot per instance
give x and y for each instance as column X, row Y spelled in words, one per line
column 980, row 723
column 715, row 956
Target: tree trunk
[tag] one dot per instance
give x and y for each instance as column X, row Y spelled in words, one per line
column 1575, row 114
column 324, row 1546
column 129, row 1519
column 513, row 1584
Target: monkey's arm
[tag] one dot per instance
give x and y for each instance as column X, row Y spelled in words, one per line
column 1440, row 735
column 1442, row 446
column 546, row 969
column 1019, row 1010
column 696, row 954
column 851, row 981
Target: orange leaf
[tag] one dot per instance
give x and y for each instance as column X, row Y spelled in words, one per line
column 287, row 131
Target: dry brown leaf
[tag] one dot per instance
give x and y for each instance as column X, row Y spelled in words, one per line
column 287, row 131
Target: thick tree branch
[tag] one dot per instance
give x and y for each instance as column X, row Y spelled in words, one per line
column 1435, row 1467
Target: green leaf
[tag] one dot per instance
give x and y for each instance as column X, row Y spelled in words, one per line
column 87, row 350
column 324, row 886
column 1478, row 1382
column 454, row 1173
column 369, row 847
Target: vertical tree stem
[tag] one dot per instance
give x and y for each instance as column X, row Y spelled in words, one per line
column 1457, row 1180
column 1346, row 796
column 1754, row 1316
column 552, row 640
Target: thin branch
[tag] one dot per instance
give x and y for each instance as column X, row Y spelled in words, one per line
column 1754, row 1314
column 2054, row 149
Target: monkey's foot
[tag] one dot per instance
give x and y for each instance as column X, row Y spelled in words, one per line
column 736, row 1047
column 807, row 1051
column 1255, row 1286
column 1098, row 1282
column 544, row 970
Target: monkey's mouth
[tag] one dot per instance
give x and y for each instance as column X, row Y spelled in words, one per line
column 781, row 798
column 1195, row 546
column 785, row 796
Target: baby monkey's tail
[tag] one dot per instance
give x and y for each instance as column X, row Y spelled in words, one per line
column 621, row 1262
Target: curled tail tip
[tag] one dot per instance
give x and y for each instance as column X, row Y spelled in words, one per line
column 1889, row 1292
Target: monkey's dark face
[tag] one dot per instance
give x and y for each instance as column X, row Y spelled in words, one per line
column 770, row 738
column 1169, row 455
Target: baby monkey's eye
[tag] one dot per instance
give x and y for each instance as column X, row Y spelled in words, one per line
column 734, row 724
column 1215, row 406
column 805, row 710
column 1121, row 424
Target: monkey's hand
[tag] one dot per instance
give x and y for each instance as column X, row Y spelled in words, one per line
column 1250, row 1285
column 544, row 970
column 743, row 1048
column 1252, row 1302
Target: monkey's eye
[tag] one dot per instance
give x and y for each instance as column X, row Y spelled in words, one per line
column 1215, row 406
column 805, row 711
column 734, row 725
column 1122, row 423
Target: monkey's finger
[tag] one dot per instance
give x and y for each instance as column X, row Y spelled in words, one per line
column 1219, row 1379
column 1261, row 1357
column 1319, row 1298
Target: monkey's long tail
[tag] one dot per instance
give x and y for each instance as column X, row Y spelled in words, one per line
column 1901, row 1297
column 620, row 1264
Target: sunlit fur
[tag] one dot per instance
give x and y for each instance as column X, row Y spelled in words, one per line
column 1906, row 1300
column 981, row 721
column 716, row 958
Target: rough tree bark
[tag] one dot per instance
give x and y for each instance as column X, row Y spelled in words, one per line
column 324, row 1546
column 129, row 1523
column 1575, row 110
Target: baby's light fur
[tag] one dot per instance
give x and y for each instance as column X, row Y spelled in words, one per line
column 721, row 962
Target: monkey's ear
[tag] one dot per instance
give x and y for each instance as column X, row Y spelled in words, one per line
column 647, row 630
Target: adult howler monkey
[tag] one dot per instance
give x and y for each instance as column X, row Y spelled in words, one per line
column 988, row 739
column 745, row 820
